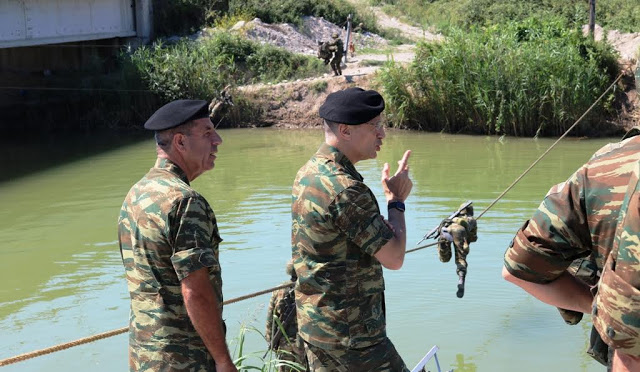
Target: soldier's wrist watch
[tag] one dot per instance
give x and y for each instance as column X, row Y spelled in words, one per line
column 396, row 205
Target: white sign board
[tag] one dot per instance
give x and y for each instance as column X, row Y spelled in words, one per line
column 37, row 22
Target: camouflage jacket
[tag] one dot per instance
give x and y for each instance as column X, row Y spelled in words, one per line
column 166, row 231
column 337, row 46
column 336, row 230
column 586, row 215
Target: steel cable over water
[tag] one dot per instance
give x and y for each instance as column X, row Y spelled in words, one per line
column 535, row 162
column 115, row 332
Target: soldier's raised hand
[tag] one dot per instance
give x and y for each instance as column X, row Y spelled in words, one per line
column 397, row 187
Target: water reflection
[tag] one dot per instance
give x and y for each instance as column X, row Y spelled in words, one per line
column 25, row 153
column 63, row 279
column 462, row 366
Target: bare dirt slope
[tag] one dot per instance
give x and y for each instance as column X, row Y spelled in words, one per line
column 409, row 31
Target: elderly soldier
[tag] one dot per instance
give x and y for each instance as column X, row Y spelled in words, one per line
column 169, row 244
column 337, row 47
column 596, row 213
column 283, row 307
column 340, row 241
column 460, row 230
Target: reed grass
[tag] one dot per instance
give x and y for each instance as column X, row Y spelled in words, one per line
column 534, row 77
column 264, row 361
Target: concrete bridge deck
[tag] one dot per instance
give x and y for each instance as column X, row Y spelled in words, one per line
column 40, row 22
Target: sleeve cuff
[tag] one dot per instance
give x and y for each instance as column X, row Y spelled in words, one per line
column 374, row 236
column 187, row 261
column 525, row 261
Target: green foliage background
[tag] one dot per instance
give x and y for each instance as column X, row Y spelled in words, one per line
column 623, row 15
column 201, row 69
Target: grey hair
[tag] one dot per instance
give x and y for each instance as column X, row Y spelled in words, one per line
column 164, row 137
column 331, row 125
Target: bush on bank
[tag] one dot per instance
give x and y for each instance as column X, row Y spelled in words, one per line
column 622, row 15
column 182, row 17
column 191, row 69
column 522, row 78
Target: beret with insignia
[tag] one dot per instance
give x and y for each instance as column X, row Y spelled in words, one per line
column 352, row 106
column 176, row 113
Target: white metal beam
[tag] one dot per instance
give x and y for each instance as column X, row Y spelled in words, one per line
column 38, row 22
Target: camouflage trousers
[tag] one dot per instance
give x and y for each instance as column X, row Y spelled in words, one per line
column 177, row 359
column 457, row 234
column 335, row 64
column 382, row 357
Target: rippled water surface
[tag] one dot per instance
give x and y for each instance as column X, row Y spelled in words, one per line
column 62, row 278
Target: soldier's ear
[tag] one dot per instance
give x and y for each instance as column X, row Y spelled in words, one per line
column 179, row 142
column 344, row 131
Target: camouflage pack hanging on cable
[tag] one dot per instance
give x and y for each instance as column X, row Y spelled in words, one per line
column 435, row 232
column 281, row 316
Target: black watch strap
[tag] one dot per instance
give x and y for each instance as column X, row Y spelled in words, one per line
column 397, row 205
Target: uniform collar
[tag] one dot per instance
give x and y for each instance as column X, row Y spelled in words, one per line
column 168, row 165
column 332, row 153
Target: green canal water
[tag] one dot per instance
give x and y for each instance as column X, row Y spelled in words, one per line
column 62, row 278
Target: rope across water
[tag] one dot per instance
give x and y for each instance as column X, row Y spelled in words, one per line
column 115, row 332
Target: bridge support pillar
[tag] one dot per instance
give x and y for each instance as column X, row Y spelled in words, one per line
column 144, row 20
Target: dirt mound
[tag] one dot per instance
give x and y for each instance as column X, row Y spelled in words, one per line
column 304, row 39
column 296, row 104
column 627, row 44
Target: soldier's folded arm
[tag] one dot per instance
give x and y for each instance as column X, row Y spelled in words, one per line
column 204, row 312
column 545, row 246
column 565, row 292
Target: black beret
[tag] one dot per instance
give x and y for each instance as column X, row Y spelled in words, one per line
column 352, row 106
column 177, row 112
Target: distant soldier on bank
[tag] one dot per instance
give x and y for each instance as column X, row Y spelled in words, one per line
column 459, row 230
column 337, row 47
column 288, row 346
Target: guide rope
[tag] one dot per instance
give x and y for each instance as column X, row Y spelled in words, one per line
column 115, row 332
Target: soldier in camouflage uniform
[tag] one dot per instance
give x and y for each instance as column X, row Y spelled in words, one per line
column 594, row 213
column 337, row 47
column 460, row 231
column 282, row 306
column 340, row 241
column 169, row 245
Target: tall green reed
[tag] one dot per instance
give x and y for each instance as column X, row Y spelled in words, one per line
column 260, row 360
column 521, row 78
